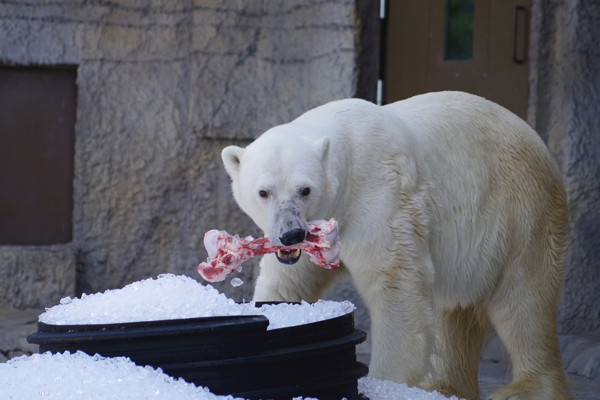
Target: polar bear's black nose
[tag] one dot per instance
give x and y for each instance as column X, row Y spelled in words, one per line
column 292, row 237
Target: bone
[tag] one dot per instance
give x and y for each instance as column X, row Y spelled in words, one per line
column 226, row 253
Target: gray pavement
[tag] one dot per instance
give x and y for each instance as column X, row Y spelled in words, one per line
column 581, row 357
column 493, row 375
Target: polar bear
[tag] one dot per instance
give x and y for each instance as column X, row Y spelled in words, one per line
column 452, row 217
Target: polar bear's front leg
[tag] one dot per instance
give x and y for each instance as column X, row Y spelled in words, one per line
column 401, row 327
column 301, row 281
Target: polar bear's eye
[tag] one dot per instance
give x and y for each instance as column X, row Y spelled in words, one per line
column 305, row 192
column 263, row 193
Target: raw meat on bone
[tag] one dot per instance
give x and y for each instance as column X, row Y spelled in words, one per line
column 226, row 253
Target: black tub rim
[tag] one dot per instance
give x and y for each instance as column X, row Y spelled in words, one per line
column 51, row 333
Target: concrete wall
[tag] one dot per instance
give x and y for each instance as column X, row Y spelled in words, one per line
column 565, row 109
column 162, row 88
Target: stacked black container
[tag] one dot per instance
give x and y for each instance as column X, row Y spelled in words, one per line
column 230, row 355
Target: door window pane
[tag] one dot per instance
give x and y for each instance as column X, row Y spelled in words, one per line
column 459, row 29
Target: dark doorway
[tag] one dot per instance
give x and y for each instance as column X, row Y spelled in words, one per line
column 37, row 123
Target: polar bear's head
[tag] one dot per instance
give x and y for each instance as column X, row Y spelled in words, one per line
column 280, row 181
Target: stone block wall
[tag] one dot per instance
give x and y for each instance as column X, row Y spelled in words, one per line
column 163, row 86
column 564, row 107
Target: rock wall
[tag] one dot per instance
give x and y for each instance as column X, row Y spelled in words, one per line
column 564, row 101
column 162, row 87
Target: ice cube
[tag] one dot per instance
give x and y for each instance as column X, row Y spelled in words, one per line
column 235, row 282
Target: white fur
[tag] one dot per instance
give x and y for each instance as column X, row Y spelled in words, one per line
column 451, row 214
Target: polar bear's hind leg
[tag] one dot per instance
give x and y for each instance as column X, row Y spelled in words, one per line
column 524, row 305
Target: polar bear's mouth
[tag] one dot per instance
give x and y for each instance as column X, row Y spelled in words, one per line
column 288, row 256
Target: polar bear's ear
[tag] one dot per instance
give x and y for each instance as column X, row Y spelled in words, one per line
column 232, row 158
column 322, row 147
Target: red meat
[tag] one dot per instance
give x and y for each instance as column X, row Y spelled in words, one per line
column 226, row 253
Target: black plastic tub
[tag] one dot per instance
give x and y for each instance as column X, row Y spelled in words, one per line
column 231, row 355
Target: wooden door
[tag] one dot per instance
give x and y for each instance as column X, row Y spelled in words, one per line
column 477, row 46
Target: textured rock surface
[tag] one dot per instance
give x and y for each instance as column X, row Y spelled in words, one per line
column 581, row 355
column 564, row 98
column 162, row 88
column 33, row 277
column 15, row 326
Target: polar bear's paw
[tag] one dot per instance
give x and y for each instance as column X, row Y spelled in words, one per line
column 531, row 388
column 465, row 391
